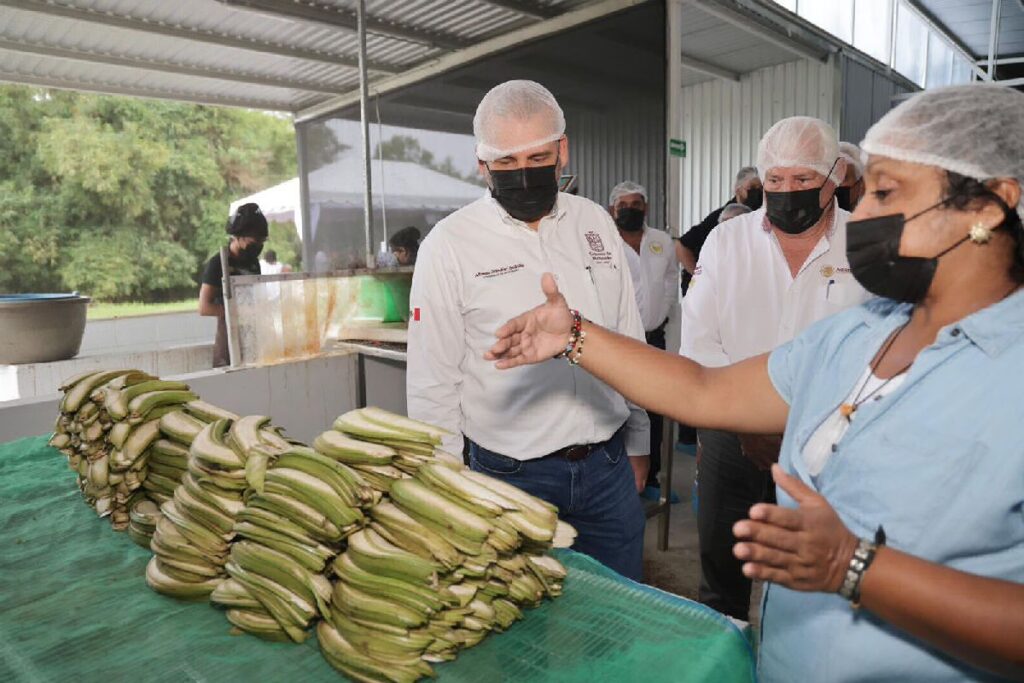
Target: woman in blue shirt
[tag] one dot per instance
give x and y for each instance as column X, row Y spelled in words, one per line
column 896, row 551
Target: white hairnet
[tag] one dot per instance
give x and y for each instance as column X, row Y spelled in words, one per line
column 852, row 154
column 515, row 101
column 730, row 211
column 624, row 188
column 743, row 175
column 802, row 141
column 974, row 130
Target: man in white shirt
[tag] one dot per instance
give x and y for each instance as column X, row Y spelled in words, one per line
column 658, row 292
column 550, row 429
column 763, row 277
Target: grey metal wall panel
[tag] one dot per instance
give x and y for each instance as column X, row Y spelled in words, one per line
column 723, row 121
column 867, row 95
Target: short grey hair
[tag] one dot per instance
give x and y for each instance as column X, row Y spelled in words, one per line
column 743, row 175
column 730, row 211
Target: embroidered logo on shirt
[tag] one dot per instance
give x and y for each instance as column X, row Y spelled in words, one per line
column 503, row 270
column 656, row 248
column 598, row 254
column 829, row 271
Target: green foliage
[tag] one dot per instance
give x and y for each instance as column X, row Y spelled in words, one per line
column 407, row 148
column 285, row 243
column 123, row 198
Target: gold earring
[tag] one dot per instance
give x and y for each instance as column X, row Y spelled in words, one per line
column 980, row 233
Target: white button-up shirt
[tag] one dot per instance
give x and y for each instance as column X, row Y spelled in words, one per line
column 478, row 268
column 744, row 301
column 658, row 276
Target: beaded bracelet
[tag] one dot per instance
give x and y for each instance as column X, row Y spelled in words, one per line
column 575, row 360
column 574, row 335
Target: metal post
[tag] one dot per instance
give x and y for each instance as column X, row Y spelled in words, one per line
column 993, row 38
column 364, row 122
column 230, row 322
column 673, row 197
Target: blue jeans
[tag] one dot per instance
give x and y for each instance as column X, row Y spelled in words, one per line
column 596, row 495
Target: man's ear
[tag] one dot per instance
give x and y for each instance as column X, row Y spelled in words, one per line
column 563, row 153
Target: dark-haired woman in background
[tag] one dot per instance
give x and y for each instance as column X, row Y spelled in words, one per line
column 896, row 552
column 405, row 244
column 248, row 230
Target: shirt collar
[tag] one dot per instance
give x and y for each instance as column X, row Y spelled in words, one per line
column 992, row 329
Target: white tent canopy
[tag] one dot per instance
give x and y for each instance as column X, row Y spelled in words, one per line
column 403, row 185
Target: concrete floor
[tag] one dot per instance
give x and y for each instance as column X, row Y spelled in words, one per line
column 677, row 569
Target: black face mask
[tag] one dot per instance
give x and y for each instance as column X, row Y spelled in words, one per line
column 755, row 197
column 630, row 219
column 843, row 198
column 794, row 212
column 526, row 193
column 250, row 252
column 873, row 250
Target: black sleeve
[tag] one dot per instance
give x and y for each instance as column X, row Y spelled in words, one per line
column 212, row 273
column 695, row 237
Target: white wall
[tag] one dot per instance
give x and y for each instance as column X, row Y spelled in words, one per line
column 722, row 122
column 162, row 330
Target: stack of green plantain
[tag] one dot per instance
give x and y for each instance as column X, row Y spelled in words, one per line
column 384, row 447
column 300, row 507
column 451, row 556
column 108, row 421
column 193, row 537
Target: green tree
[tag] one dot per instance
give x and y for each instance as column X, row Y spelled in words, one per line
column 124, row 198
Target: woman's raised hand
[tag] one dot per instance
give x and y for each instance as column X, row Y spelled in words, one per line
column 537, row 335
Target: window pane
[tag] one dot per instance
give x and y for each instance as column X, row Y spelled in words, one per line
column 835, row 16
column 940, row 62
column 911, row 45
column 872, row 28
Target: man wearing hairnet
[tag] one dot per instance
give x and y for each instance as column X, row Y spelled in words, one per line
column 658, row 273
column 762, row 278
column 550, row 429
column 852, row 187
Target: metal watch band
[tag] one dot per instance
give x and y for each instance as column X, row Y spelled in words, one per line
column 861, row 560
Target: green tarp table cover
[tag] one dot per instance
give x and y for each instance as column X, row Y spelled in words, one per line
column 74, row 606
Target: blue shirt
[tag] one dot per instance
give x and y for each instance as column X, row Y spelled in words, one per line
column 939, row 463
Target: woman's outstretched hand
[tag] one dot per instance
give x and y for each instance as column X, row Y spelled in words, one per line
column 537, row 335
column 806, row 549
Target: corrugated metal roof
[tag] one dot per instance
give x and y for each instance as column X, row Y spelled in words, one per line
column 969, row 21
column 276, row 54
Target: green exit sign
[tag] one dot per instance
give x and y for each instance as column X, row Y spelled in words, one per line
column 677, row 148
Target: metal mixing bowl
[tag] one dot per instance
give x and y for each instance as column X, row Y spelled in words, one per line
column 38, row 328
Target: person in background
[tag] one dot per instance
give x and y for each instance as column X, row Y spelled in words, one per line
column 551, row 430
column 730, row 211
column 659, row 278
column 405, row 244
column 762, row 278
column 269, row 265
column 852, row 189
column 897, row 550
column 747, row 190
column 248, row 231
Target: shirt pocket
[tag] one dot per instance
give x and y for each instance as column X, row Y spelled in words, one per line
column 906, row 480
column 605, row 281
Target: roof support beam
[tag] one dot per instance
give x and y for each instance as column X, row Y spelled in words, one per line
column 333, row 15
column 700, row 66
column 534, row 10
column 1005, row 61
column 155, row 93
column 167, row 67
column 741, row 20
column 993, row 37
column 474, row 52
column 58, row 9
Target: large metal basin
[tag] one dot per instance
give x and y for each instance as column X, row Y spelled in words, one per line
column 38, row 328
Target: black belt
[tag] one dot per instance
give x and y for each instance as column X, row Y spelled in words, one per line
column 574, row 453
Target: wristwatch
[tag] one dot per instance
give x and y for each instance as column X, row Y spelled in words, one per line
column 862, row 558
